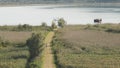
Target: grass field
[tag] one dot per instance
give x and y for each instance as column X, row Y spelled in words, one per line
column 78, row 47
column 13, row 50
column 13, row 57
column 15, row 37
column 74, row 46
column 15, row 54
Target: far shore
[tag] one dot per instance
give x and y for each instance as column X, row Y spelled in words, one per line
column 17, row 5
column 66, row 4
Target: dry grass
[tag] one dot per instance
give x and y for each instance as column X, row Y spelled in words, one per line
column 13, row 57
column 78, row 48
column 15, row 37
column 89, row 37
column 15, row 54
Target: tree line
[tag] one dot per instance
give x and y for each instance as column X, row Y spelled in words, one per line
column 26, row 27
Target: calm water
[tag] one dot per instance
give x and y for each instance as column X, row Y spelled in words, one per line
column 34, row 15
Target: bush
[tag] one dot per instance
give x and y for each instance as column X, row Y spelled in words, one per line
column 113, row 30
column 61, row 22
column 97, row 25
column 44, row 24
column 25, row 27
column 34, row 44
column 53, row 26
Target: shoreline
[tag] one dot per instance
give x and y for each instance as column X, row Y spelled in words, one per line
column 67, row 4
column 19, row 5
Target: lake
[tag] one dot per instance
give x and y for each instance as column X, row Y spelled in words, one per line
column 34, row 15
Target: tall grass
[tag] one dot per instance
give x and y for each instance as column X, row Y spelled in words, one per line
column 75, row 47
column 113, row 28
column 13, row 56
column 15, row 37
column 15, row 53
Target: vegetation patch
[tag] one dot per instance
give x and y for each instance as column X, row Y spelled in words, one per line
column 113, row 28
column 35, row 45
column 75, row 47
column 14, row 52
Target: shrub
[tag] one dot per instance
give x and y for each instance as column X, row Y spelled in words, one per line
column 96, row 25
column 44, row 24
column 61, row 22
column 113, row 30
column 24, row 27
column 34, row 44
column 53, row 26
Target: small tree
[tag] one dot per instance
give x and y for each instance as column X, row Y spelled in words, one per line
column 19, row 27
column 61, row 22
column 27, row 27
column 1, row 42
column 53, row 25
column 24, row 27
column 44, row 24
column 34, row 44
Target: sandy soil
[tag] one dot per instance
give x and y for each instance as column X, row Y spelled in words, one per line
column 48, row 60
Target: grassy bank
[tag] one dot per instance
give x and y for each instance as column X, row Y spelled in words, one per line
column 87, row 46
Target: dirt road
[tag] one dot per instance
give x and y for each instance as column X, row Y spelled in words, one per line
column 48, row 57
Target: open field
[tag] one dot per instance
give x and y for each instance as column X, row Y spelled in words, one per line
column 78, row 47
column 13, row 57
column 74, row 46
column 16, row 37
column 15, row 54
